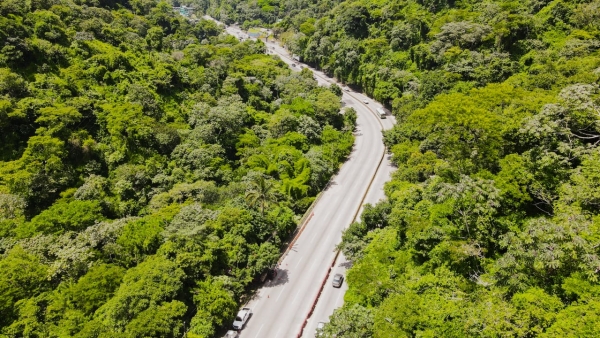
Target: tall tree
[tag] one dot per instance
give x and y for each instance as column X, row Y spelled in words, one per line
column 261, row 191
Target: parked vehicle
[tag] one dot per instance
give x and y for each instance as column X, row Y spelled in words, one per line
column 338, row 279
column 241, row 318
column 319, row 330
column 232, row 334
column 272, row 273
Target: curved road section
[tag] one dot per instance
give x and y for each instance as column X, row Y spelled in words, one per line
column 281, row 307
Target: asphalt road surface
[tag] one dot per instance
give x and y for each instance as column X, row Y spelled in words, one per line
column 332, row 298
column 281, row 307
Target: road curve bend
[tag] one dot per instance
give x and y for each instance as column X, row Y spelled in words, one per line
column 281, row 307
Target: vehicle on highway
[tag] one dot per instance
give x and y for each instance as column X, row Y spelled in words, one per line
column 319, row 330
column 338, row 279
column 365, row 101
column 272, row 273
column 381, row 112
column 232, row 334
column 293, row 65
column 241, row 318
column 346, row 89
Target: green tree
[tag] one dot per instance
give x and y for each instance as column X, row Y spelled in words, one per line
column 215, row 304
column 327, row 107
column 23, row 276
column 93, row 289
column 63, row 216
column 154, row 37
column 164, row 320
column 350, row 321
column 536, row 311
column 12, row 210
column 40, row 173
column 261, row 191
column 578, row 320
column 150, row 284
column 141, row 237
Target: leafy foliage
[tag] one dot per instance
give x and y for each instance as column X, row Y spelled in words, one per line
column 150, row 167
column 491, row 223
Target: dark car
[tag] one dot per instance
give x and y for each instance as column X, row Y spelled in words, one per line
column 338, row 279
column 271, row 274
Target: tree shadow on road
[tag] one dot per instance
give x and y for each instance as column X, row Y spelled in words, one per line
column 346, row 264
column 280, row 279
column 330, row 185
column 392, row 164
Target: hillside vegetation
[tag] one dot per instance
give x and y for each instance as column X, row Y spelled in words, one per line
column 150, row 167
column 492, row 226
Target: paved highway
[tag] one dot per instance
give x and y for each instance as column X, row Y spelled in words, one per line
column 332, row 298
column 281, row 307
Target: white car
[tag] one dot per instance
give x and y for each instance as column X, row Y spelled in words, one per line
column 338, row 279
column 241, row 318
column 346, row 89
column 232, row 334
column 365, row 101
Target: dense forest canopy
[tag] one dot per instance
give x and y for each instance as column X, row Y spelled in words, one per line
column 150, row 167
column 492, row 223
column 265, row 12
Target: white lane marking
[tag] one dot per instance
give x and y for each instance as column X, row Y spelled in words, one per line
column 259, row 331
column 280, row 292
column 297, row 293
column 313, row 237
column 298, row 262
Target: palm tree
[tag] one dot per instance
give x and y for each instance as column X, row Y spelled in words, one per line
column 261, row 192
